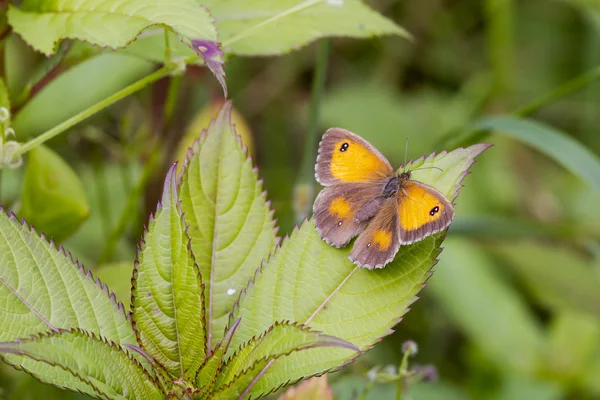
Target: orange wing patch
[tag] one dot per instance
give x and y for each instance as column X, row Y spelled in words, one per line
column 417, row 206
column 382, row 239
column 352, row 162
column 339, row 206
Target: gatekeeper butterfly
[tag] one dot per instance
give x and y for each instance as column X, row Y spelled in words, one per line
column 364, row 196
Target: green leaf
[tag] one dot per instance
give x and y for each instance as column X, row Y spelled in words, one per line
column 558, row 278
column 313, row 283
column 110, row 23
column 74, row 91
column 555, row 144
column 115, row 23
column 230, row 223
column 279, row 340
column 253, row 27
column 208, row 371
column 97, row 367
column 42, row 289
column 52, row 199
column 490, row 312
column 167, row 294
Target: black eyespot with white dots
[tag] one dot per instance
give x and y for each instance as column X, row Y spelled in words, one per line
column 340, row 223
column 434, row 211
column 344, row 147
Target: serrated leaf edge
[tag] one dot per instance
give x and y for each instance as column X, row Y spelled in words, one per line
column 194, row 150
column 82, row 333
column 67, row 254
column 141, row 246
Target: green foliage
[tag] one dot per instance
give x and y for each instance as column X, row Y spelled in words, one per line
column 97, row 367
column 167, row 298
column 513, row 308
column 252, row 27
column 112, row 23
column 228, row 216
column 321, row 327
column 53, row 199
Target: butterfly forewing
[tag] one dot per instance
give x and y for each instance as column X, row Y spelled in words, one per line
column 345, row 157
column 422, row 211
column 379, row 242
column 337, row 206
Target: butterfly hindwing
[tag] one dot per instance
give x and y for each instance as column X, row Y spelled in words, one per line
column 379, row 242
column 337, row 206
column 422, row 211
column 346, row 157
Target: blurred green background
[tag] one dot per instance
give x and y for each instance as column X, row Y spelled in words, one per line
column 513, row 308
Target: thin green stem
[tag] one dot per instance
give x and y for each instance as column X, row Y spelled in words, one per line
column 565, row 89
column 63, row 126
column 171, row 100
column 399, row 388
column 304, row 188
column 500, row 42
column 167, row 46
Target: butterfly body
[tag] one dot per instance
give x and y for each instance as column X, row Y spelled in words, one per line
column 364, row 197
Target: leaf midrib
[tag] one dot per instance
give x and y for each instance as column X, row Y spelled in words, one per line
column 213, row 256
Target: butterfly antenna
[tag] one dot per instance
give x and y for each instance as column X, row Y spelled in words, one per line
column 405, row 153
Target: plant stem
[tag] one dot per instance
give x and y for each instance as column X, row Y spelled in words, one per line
column 304, row 187
column 171, row 99
column 63, row 126
column 563, row 90
column 499, row 17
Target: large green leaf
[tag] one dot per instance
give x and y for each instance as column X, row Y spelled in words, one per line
column 490, row 312
column 167, row 295
column 97, row 367
column 110, row 23
column 42, row 289
column 52, row 199
column 313, row 283
column 252, row 27
column 231, row 227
